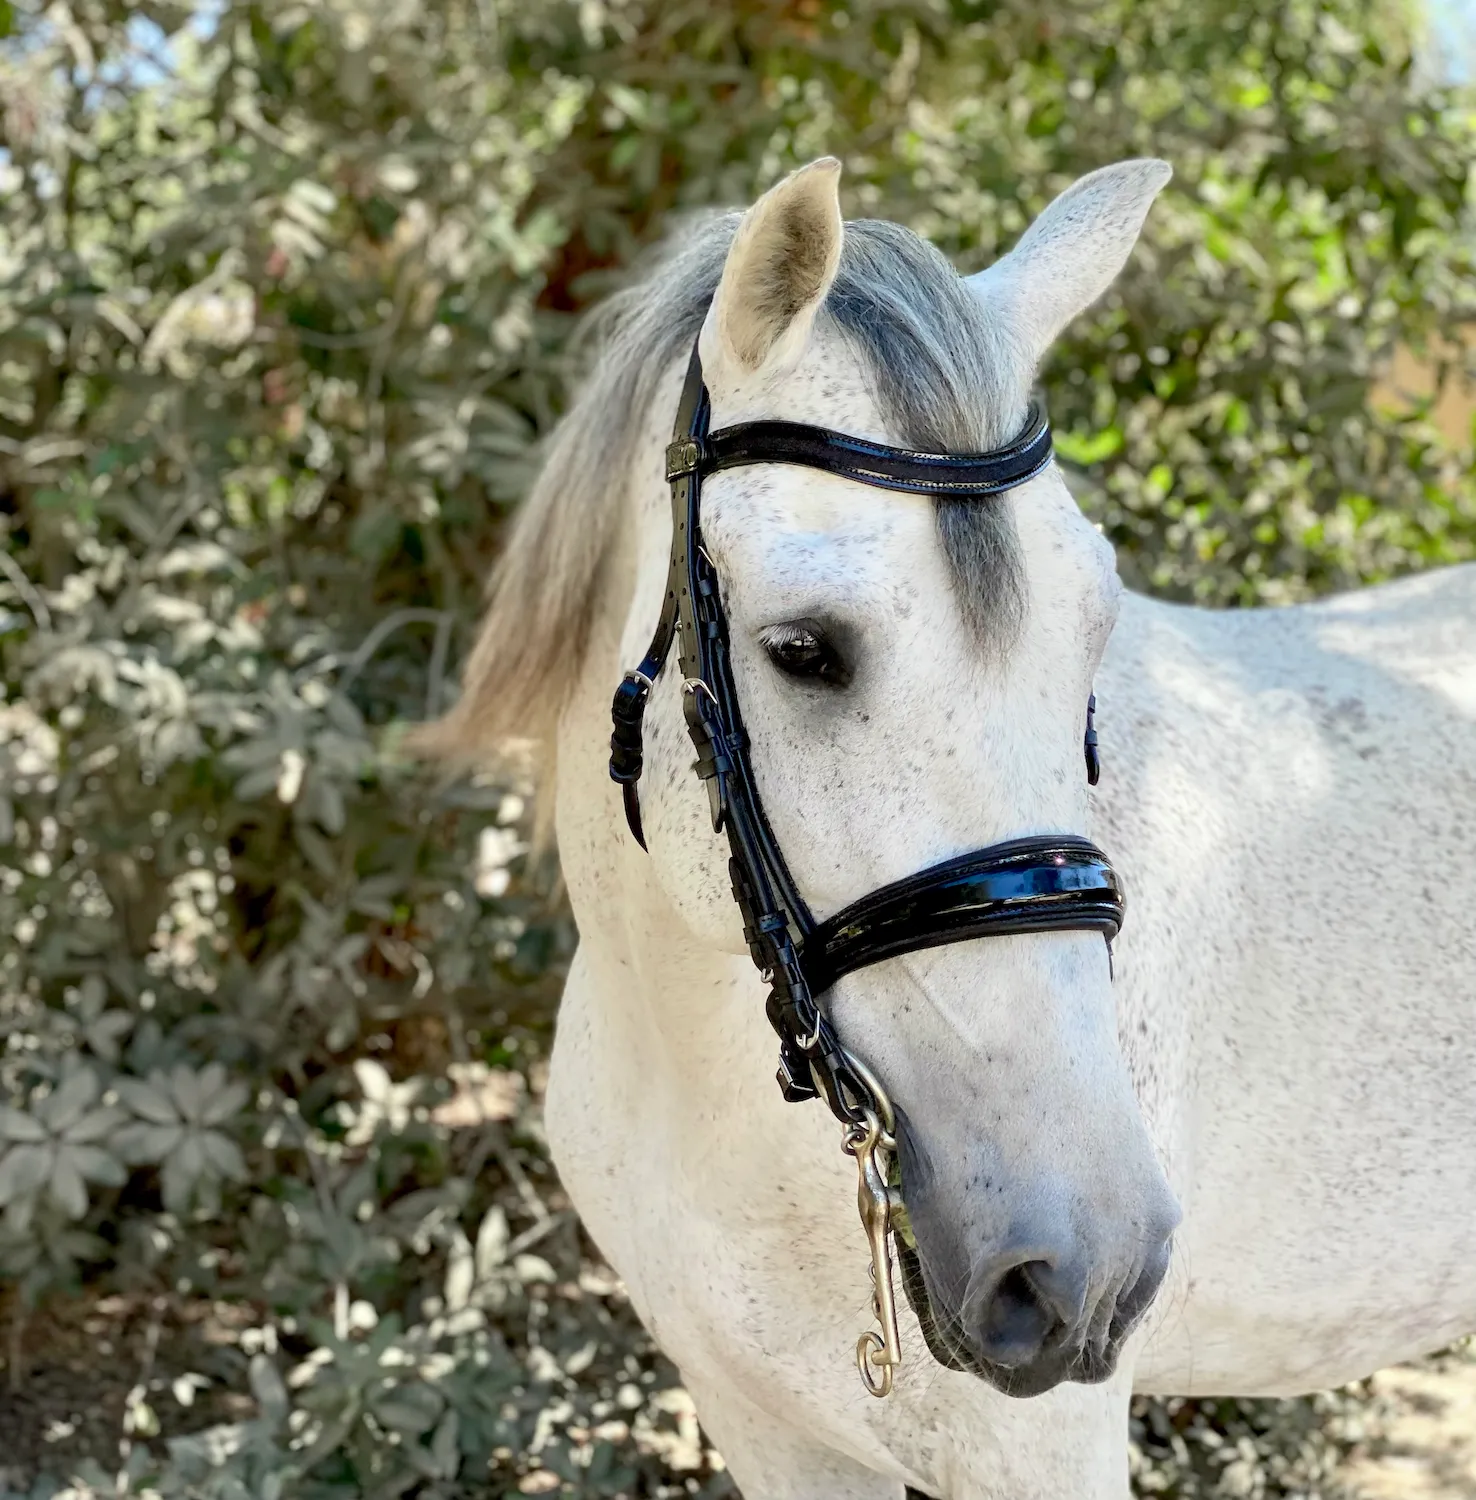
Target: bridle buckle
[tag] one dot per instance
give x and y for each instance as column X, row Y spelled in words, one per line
column 683, row 457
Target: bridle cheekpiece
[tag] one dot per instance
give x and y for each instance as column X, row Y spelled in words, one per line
column 1043, row 883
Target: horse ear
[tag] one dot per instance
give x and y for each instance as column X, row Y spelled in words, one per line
column 781, row 264
column 1072, row 253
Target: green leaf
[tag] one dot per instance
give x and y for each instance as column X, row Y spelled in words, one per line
column 267, row 1387
column 105, row 1033
column 145, row 1144
column 224, row 1101
column 444, row 1447
column 63, row 1108
column 179, row 1173
column 223, row 1156
column 24, row 1169
column 188, row 1089
column 1088, row 449
column 212, row 1080
column 410, row 1409
column 17, row 1126
column 150, row 1101
column 65, row 1186
column 94, row 1125
column 97, row 1165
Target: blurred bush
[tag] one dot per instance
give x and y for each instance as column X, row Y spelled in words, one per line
column 286, row 293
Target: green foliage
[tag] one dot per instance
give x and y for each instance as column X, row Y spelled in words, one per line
column 1221, row 397
column 285, row 300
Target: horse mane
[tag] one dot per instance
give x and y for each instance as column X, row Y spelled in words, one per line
column 946, row 379
column 543, row 589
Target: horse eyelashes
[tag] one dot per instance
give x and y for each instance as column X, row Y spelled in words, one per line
column 801, row 648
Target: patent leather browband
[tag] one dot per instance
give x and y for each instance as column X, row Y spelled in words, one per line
column 971, row 474
column 1042, row 883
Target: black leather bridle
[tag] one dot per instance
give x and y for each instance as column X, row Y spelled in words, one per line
column 1042, row 883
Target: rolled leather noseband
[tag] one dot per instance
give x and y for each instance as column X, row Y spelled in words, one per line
column 1041, row 883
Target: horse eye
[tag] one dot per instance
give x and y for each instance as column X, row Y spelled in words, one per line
column 802, row 649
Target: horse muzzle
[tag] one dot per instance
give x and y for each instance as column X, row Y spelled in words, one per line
column 1026, row 1325
column 1027, row 1284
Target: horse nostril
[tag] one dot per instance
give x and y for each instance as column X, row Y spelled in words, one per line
column 1018, row 1319
column 1033, row 1305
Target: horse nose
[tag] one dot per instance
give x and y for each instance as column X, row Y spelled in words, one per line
column 1025, row 1305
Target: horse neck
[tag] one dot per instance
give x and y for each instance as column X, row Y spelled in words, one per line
column 657, row 1031
column 626, row 922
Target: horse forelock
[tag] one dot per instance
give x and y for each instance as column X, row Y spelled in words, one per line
column 946, row 378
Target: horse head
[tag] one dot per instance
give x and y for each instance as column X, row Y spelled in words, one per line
column 913, row 671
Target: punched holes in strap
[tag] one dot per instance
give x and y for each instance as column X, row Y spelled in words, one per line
column 627, row 712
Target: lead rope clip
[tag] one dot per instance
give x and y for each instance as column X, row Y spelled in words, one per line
column 878, row 1354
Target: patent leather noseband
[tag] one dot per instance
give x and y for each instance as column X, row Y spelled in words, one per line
column 1042, row 883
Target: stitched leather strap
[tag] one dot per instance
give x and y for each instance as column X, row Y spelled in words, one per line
column 694, row 452
column 971, row 474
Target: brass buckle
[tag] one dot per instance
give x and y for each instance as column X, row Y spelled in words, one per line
column 683, row 457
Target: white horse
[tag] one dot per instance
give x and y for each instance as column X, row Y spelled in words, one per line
column 1287, row 1050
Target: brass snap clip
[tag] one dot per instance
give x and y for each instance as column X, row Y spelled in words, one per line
column 878, row 1354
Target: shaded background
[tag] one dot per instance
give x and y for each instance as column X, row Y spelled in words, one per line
column 286, row 298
